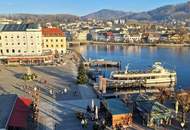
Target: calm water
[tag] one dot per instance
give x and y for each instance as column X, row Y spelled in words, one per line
column 177, row 58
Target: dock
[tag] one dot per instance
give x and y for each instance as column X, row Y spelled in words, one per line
column 102, row 63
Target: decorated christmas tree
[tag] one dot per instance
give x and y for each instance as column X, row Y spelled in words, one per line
column 82, row 77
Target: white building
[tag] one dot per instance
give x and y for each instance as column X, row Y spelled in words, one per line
column 82, row 35
column 20, row 40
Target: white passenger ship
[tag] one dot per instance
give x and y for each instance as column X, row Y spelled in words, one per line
column 156, row 76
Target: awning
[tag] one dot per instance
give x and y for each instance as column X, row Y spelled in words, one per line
column 20, row 113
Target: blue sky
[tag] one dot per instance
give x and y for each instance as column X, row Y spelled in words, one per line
column 79, row 7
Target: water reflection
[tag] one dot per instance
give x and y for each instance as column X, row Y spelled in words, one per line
column 177, row 58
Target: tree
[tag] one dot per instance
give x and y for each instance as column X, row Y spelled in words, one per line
column 82, row 77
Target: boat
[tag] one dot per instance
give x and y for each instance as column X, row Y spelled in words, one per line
column 157, row 75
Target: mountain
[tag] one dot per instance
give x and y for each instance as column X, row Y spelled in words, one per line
column 179, row 12
column 106, row 14
column 42, row 18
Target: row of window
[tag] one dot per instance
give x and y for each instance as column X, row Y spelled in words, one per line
column 13, row 51
column 53, row 46
column 18, row 44
column 19, row 37
column 56, row 40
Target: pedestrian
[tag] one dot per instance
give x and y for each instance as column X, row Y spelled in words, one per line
column 82, row 123
column 85, row 123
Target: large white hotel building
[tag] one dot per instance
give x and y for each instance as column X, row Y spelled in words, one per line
column 20, row 39
column 22, row 43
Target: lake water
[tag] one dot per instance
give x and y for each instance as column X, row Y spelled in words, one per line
column 138, row 57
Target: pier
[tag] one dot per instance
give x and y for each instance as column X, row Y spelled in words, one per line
column 102, row 63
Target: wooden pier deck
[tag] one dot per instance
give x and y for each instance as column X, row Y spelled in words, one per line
column 102, row 63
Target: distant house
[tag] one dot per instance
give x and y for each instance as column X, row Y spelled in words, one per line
column 153, row 37
column 82, row 35
column 116, row 113
column 175, row 37
column 151, row 112
column 134, row 37
column 164, row 37
column 101, row 36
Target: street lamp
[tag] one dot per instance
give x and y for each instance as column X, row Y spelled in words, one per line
column 35, row 89
column 182, row 125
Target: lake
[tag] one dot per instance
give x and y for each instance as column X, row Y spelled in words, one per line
column 140, row 57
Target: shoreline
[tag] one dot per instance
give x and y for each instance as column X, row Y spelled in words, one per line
column 142, row 44
column 133, row 44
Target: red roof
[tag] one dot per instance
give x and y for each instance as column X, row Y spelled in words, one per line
column 20, row 113
column 109, row 34
column 52, row 32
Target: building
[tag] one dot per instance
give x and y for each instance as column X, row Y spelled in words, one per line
column 9, row 21
column 14, row 112
column 151, row 112
column 22, row 44
column 20, row 39
column 134, row 37
column 54, row 40
column 116, row 113
column 82, row 35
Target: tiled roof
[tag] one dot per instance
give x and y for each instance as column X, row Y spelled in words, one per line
column 52, row 32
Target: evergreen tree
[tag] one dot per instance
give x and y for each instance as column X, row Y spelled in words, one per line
column 82, row 77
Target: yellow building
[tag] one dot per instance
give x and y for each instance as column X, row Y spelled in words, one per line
column 54, row 40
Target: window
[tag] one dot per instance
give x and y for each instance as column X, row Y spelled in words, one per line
column 46, row 40
column 51, row 45
column 11, row 36
column 32, row 51
column 12, row 43
column 5, row 36
column 23, row 36
column 51, row 40
column 61, row 45
column 56, row 40
column 19, row 51
column 17, row 36
column 31, row 37
column 0, row 37
column 46, row 45
column 13, row 50
column 32, row 43
column 56, row 45
column 24, row 51
column 7, row 50
column 7, row 44
column 1, row 51
column 24, row 43
column 18, row 43
column 61, row 40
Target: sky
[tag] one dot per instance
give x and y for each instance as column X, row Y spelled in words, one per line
column 79, row 7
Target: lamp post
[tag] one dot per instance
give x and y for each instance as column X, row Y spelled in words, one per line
column 182, row 125
column 35, row 96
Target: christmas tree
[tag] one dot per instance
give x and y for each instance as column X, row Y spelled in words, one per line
column 82, row 77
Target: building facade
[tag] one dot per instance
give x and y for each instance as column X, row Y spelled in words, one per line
column 54, row 40
column 116, row 113
column 20, row 39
